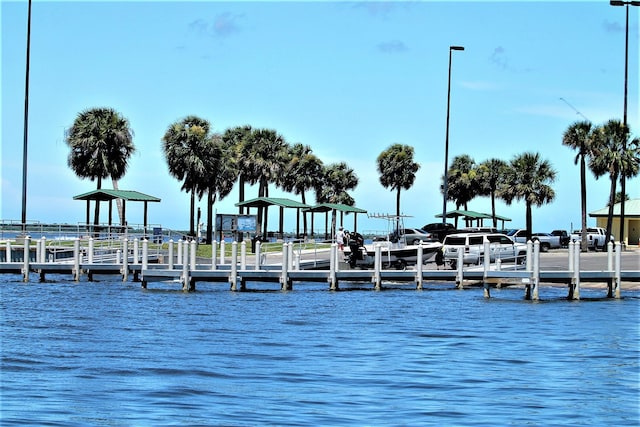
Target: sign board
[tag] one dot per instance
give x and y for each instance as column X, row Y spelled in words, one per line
column 233, row 223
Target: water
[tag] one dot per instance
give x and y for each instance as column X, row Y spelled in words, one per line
column 112, row 354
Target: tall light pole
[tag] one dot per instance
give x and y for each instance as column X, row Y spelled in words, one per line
column 446, row 140
column 624, row 117
column 26, row 127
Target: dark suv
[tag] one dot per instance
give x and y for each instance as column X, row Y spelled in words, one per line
column 440, row 230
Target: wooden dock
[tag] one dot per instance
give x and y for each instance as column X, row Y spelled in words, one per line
column 328, row 268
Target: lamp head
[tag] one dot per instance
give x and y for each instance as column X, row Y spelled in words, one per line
column 456, row 47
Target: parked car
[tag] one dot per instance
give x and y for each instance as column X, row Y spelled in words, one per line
column 440, row 230
column 414, row 236
column 564, row 236
column 547, row 240
column 501, row 247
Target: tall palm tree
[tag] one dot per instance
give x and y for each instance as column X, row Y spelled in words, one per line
column 397, row 170
column 610, row 156
column 238, row 139
column 338, row 179
column 528, row 178
column 489, row 178
column 101, row 143
column 220, row 176
column 268, row 158
column 303, row 172
column 187, row 148
column 461, row 181
column 578, row 137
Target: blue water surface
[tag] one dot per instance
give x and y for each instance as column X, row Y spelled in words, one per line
column 109, row 353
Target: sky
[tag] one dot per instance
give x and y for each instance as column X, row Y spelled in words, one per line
column 349, row 79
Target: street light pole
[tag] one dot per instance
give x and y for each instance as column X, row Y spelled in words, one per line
column 623, row 180
column 446, row 141
column 26, row 127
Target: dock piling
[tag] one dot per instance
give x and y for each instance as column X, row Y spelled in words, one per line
column 419, row 266
column 233, row 278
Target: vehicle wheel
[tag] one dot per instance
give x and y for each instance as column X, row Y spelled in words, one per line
column 416, row 242
column 401, row 264
column 522, row 258
column 453, row 264
column 544, row 247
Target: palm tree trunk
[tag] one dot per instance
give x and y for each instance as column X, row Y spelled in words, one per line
column 583, row 197
column 398, row 203
column 211, row 199
column 528, row 221
column 193, row 212
column 493, row 209
column 304, row 215
column 241, row 194
column 96, row 214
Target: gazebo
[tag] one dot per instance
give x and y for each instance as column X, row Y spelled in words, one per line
column 103, row 195
column 335, row 207
column 282, row 203
column 470, row 216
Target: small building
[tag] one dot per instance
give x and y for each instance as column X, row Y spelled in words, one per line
column 631, row 221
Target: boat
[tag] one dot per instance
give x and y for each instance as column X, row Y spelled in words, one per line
column 394, row 249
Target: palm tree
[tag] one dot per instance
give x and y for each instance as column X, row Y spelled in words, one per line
column 303, row 172
column 101, row 142
column 221, row 174
column 268, row 157
column 489, row 178
column 338, row 178
column 578, row 137
column 610, row 156
column 528, row 178
column 187, row 148
column 239, row 141
column 461, row 181
column 397, row 170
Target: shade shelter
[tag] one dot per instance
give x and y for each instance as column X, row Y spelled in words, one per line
column 470, row 216
column 334, row 208
column 103, row 195
column 282, row 203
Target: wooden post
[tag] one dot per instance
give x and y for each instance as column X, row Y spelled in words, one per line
column 333, row 282
column 459, row 268
column 194, row 248
column 576, row 272
column 233, row 278
column 284, row 277
column 180, row 251
column 90, row 250
column 222, row 242
column 136, row 250
column 185, row 267
column 214, row 246
column 25, row 261
column 610, row 269
column 536, row 270
column 419, row 267
column 529, row 269
column 8, row 251
column 243, row 255
column 170, row 260
column 76, row 259
column 145, row 254
column 618, row 276
column 377, row 277
column 125, row 259
column 257, row 255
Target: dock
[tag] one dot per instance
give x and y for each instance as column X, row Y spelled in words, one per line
column 326, row 266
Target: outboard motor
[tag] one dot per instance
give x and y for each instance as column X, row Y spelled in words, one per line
column 355, row 242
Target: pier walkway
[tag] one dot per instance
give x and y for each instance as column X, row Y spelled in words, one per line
column 324, row 266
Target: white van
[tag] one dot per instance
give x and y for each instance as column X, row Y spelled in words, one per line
column 502, row 247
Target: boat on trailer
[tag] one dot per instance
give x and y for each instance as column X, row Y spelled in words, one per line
column 394, row 250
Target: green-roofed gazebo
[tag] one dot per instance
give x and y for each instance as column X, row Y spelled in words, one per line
column 334, row 208
column 263, row 203
column 103, row 195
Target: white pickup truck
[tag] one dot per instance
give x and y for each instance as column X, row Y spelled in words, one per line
column 547, row 240
column 596, row 237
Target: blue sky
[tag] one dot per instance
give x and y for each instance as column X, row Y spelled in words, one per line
column 347, row 78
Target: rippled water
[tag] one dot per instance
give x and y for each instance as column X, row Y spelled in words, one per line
column 112, row 354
